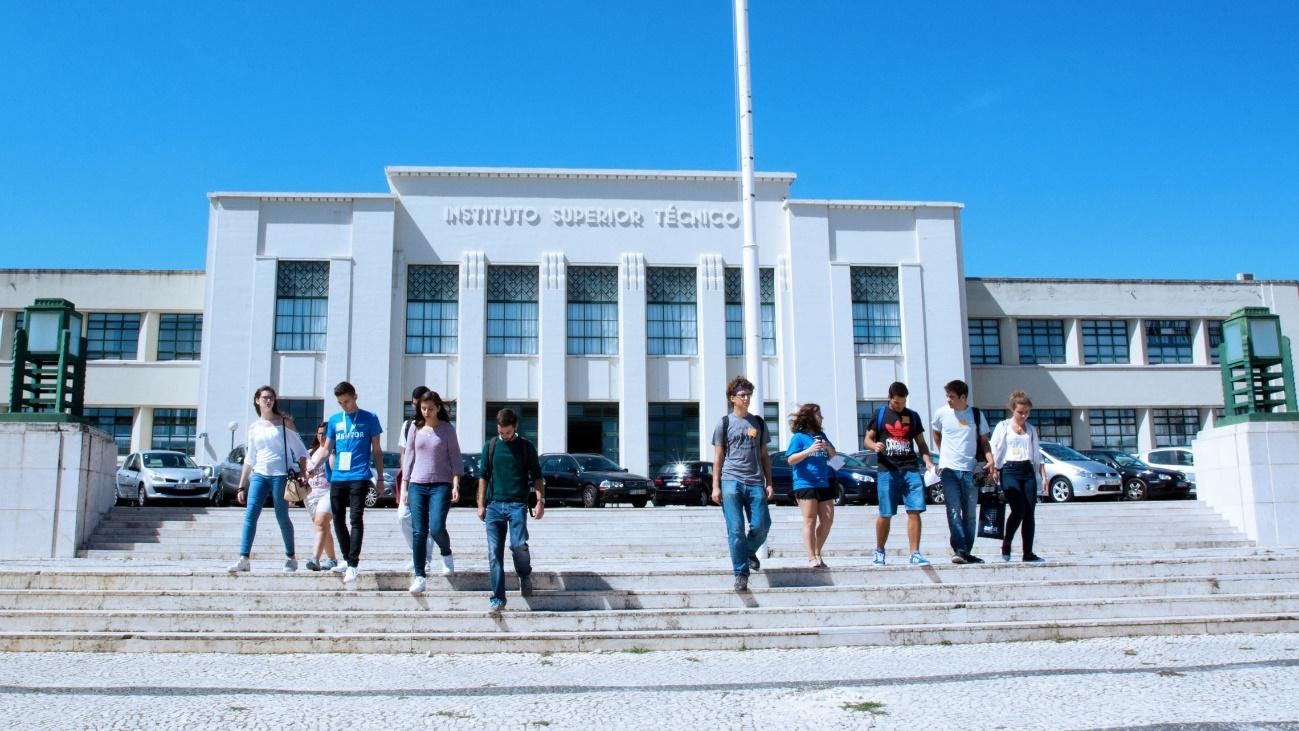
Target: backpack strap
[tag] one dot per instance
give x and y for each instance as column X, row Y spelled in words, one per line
column 487, row 468
column 879, row 421
column 726, row 433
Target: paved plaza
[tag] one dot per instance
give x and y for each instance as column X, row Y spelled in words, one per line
column 1205, row 682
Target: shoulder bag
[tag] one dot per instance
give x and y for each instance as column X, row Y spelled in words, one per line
column 295, row 490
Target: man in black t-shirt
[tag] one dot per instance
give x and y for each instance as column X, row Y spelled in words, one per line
column 897, row 436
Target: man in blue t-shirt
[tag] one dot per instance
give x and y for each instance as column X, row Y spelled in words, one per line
column 353, row 439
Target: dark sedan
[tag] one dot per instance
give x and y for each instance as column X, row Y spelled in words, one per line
column 689, row 482
column 854, row 481
column 1140, row 480
column 592, row 480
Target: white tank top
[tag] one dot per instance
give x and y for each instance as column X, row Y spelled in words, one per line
column 1018, row 446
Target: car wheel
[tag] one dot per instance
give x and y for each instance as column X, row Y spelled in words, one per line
column 1135, row 489
column 141, row 497
column 1060, row 490
column 936, row 495
column 219, row 497
column 639, row 502
column 705, row 498
column 590, row 497
column 371, row 497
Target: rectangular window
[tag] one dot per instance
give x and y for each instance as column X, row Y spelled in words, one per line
column 179, row 336
column 117, row 422
column 673, row 434
column 1113, row 429
column 1175, row 427
column 112, row 335
column 1105, row 341
column 432, row 308
column 771, row 415
column 174, row 429
column 1213, row 328
column 985, row 342
column 526, row 412
column 866, row 411
column 593, row 310
column 1040, row 341
column 307, row 413
column 511, row 310
column 671, row 312
column 876, row 310
column 593, row 427
column 301, row 305
column 1168, row 341
column 994, row 417
column 1053, row 425
column 734, row 286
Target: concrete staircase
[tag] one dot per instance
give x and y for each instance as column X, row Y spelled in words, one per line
column 153, row 579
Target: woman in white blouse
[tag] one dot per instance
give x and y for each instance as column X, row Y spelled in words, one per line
column 1019, row 463
column 272, row 446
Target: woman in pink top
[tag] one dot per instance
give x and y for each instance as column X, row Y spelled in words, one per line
column 431, row 471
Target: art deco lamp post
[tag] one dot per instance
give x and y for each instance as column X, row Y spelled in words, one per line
column 1257, row 373
column 49, row 372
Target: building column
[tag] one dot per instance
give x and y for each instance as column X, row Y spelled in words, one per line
column 633, row 410
column 1145, row 430
column 1200, row 342
column 844, row 364
column 1008, row 336
column 711, row 314
column 915, row 342
column 142, row 430
column 1082, row 429
column 1137, row 342
column 147, row 346
column 338, row 337
column 471, row 363
column 261, row 352
column 1073, row 342
column 552, row 334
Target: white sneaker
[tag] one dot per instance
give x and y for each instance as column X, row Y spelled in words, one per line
column 448, row 565
column 238, row 566
column 291, row 564
column 349, row 576
column 417, row 586
column 340, row 568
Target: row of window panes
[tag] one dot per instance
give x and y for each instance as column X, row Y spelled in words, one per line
column 173, row 429
column 1104, row 341
column 116, row 335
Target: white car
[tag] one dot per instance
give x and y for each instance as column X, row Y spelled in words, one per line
column 1181, row 459
column 160, row 475
column 1069, row 474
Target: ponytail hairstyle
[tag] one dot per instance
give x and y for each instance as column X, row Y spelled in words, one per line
column 1019, row 398
column 433, row 398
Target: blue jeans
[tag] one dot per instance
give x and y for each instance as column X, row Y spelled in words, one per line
column 739, row 500
column 962, row 508
column 429, row 505
column 500, row 517
column 257, row 487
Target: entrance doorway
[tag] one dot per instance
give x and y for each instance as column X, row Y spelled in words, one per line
column 593, row 427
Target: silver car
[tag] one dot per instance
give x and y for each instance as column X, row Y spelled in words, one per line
column 158, row 476
column 1069, row 474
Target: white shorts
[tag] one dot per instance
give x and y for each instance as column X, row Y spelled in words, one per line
column 319, row 505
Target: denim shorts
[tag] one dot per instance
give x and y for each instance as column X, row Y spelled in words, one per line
column 819, row 494
column 908, row 485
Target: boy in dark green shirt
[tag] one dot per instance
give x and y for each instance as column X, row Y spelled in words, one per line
column 510, row 465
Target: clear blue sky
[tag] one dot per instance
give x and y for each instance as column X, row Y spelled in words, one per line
column 1121, row 139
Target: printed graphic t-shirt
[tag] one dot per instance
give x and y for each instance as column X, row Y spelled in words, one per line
column 352, row 434
column 743, row 438
column 898, row 435
column 960, row 445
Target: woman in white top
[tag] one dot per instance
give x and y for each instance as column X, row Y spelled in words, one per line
column 272, row 446
column 1019, row 462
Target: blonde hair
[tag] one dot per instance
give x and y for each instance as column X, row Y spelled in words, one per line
column 1019, row 398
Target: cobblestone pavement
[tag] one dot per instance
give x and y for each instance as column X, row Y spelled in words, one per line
column 1212, row 682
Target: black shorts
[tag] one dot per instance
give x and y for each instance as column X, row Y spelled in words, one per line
column 819, row 494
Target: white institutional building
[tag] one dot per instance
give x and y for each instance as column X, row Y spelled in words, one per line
column 605, row 307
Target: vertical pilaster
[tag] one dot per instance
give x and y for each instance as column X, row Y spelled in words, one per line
column 633, row 412
column 1009, row 333
column 1145, row 430
column 711, row 313
column 471, row 399
column 1073, row 344
column 1200, row 342
column 147, row 346
column 552, row 402
column 1137, row 342
column 338, row 336
column 915, row 344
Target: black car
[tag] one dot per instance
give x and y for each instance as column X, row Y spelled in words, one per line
column 469, row 480
column 689, row 482
column 592, row 480
column 1140, row 480
column 856, row 479
column 934, row 494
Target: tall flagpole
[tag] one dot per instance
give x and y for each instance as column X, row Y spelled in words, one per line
column 752, row 292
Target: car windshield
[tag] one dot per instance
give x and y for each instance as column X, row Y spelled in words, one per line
column 852, row 463
column 870, row 459
column 168, row 460
column 1127, row 460
column 1061, row 452
column 596, row 463
column 391, row 460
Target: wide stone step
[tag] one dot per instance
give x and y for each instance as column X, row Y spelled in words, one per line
column 504, row 638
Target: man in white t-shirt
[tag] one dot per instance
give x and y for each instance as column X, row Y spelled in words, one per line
column 960, row 435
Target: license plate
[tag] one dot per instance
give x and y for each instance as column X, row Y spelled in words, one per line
column 672, row 483
column 636, row 492
column 1112, row 483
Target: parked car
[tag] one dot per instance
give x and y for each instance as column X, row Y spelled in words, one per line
column 933, row 493
column 1181, row 459
column 229, row 470
column 689, row 482
column 592, row 480
column 160, row 475
column 1141, row 480
column 391, row 463
column 856, row 480
column 1069, row 474
column 469, row 480
column 782, row 480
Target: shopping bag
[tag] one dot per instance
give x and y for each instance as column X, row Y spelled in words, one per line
column 992, row 520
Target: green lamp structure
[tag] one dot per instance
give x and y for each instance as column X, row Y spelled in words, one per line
column 1257, row 372
column 49, row 372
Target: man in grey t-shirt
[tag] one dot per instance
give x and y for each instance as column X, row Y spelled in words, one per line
column 742, row 479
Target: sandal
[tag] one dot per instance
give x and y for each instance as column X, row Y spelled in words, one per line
column 820, row 564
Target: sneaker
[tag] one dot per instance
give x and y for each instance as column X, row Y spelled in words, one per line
column 754, row 563
column 879, row 557
column 1005, row 557
column 313, row 564
column 971, row 558
column 1033, row 558
column 338, row 568
column 349, row 575
column 741, row 582
column 417, row 585
column 495, row 607
column 959, row 558
column 290, row 564
column 525, row 585
column 328, row 564
column 918, row 560
column 239, row 566
column 448, row 565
